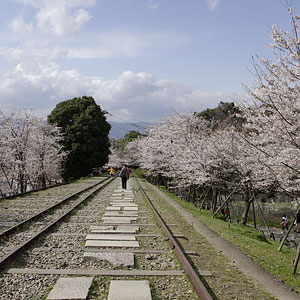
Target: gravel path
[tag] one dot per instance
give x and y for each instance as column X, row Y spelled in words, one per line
column 246, row 265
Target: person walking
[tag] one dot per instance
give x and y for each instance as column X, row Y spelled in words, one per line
column 124, row 174
column 111, row 172
column 284, row 223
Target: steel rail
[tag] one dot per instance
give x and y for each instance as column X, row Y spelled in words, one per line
column 14, row 227
column 199, row 287
column 32, row 191
column 8, row 258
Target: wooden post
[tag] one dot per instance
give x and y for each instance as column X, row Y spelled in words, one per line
column 204, row 198
column 225, row 201
column 263, row 215
column 254, row 219
column 227, row 206
column 295, row 264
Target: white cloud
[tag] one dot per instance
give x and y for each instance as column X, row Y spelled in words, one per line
column 22, row 53
column 37, row 86
column 107, row 44
column 114, row 43
column 60, row 17
column 132, row 96
column 122, row 43
column 19, row 26
column 212, row 4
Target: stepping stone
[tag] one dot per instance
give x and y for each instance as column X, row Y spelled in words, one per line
column 116, row 221
column 117, row 244
column 128, row 228
column 117, row 259
column 113, row 208
column 124, row 204
column 120, row 218
column 120, row 229
column 112, row 213
column 121, row 200
column 130, row 213
column 75, row 288
column 102, row 227
column 129, row 289
column 132, row 208
column 118, row 214
column 110, row 237
column 115, row 231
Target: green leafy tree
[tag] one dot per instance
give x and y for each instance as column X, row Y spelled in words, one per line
column 223, row 115
column 130, row 136
column 86, row 141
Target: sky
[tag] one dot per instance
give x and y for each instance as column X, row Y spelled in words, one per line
column 141, row 60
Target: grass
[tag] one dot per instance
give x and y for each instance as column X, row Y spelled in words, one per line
column 251, row 242
column 139, row 172
column 47, row 292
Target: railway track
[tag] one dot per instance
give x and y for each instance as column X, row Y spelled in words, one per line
column 25, row 231
column 109, row 233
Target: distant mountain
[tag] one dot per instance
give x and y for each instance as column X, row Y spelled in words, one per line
column 118, row 130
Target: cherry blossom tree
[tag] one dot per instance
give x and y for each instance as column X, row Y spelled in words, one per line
column 191, row 152
column 260, row 155
column 47, row 154
column 115, row 158
column 30, row 154
column 172, row 151
column 273, row 124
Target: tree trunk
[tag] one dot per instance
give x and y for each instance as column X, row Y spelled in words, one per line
column 194, row 194
column 214, row 199
column 248, row 201
column 187, row 194
column 254, row 216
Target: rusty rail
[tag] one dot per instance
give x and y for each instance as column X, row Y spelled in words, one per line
column 199, row 287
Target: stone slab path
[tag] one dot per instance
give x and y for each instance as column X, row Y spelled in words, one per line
column 111, row 237
column 129, row 290
column 120, row 236
column 115, row 244
column 115, row 258
column 75, row 288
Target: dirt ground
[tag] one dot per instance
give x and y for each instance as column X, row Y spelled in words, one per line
column 246, row 265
